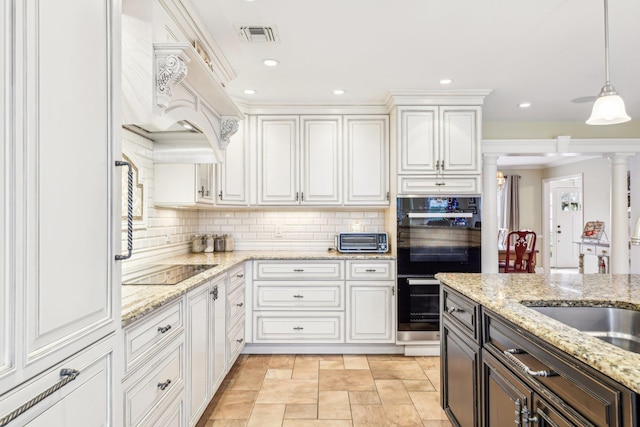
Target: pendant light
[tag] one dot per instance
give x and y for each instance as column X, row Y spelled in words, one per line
column 501, row 180
column 609, row 107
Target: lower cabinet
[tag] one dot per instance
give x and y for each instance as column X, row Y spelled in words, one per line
column 371, row 312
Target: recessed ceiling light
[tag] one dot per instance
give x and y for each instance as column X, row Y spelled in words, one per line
column 524, row 105
column 270, row 62
column 250, row 91
column 338, row 91
column 446, row 81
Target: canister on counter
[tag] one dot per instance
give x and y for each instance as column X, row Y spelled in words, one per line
column 218, row 243
column 228, row 243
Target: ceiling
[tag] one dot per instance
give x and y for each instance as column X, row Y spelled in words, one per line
column 546, row 52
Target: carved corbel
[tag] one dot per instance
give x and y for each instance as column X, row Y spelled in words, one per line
column 170, row 70
column 228, row 127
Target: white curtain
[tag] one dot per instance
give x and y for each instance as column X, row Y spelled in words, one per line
column 509, row 204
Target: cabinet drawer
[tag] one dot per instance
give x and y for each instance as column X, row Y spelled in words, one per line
column 370, row 270
column 462, row 310
column 327, row 295
column 590, row 395
column 236, row 306
column 298, row 327
column 146, row 336
column 298, row 270
column 236, row 277
column 235, row 343
column 164, row 375
column 411, row 185
column 171, row 416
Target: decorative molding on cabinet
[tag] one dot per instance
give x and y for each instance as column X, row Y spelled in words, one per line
column 228, row 127
column 170, row 70
column 436, row 97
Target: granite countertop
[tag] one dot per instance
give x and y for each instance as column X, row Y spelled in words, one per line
column 140, row 300
column 507, row 294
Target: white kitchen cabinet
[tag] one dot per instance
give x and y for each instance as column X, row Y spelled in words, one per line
column 205, row 341
column 60, row 287
column 236, row 305
column 299, row 160
column 184, row 184
column 439, row 140
column 366, row 166
column 422, row 184
column 233, row 174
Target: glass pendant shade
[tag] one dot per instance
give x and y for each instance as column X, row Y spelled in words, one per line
column 608, row 109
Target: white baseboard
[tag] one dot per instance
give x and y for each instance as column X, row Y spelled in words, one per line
column 322, row 349
column 427, row 349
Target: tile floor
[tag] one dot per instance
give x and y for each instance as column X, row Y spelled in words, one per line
column 329, row 390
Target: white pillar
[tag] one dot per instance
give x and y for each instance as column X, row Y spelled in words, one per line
column 619, row 261
column 489, row 214
column 634, row 165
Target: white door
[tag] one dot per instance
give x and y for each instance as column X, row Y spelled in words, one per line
column 460, row 139
column 233, row 174
column 371, row 311
column 366, row 175
column 419, row 138
column 321, row 166
column 278, row 160
column 204, row 183
column 566, row 226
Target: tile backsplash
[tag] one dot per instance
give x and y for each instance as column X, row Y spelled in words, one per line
column 163, row 231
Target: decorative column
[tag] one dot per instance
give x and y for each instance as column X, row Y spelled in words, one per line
column 489, row 214
column 619, row 217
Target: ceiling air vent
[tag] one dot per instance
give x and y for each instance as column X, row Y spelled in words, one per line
column 259, row 34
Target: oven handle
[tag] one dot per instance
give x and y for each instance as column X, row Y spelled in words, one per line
column 413, row 282
column 439, row 215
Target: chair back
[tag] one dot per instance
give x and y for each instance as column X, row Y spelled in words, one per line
column 520, row 251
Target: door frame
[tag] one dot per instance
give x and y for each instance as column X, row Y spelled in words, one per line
column 546, row 215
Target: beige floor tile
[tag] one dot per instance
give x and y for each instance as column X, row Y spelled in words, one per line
column 301, row 412
column 334, row 405
column 396, row 370
column 288, row 391
column 306, row 368
column 346, row 380
column 355, row 362
column 331, row 364
column 389, row 357
column 428, row 405
column 402, row 415
column 418, row 385
column 234, row 405
column 368, row 415
column 317, row 423
column 364, row 398
column 318, row 357
column 257, row 361
column 434, row 378
column 436, row 423
column 282, row 361
column 249, row 379
column 278, row 374
column 305, row 374
column 226, row 423
column 429, row 362
column 266, row 415
column 392, row 392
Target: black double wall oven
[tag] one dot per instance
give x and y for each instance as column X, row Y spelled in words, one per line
column 435, row 234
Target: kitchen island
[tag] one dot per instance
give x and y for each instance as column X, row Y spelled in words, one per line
column 516, row 358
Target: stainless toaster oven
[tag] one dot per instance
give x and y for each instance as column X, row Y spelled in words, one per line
column 362, row 242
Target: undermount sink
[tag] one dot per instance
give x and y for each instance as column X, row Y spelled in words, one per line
column 618, row 326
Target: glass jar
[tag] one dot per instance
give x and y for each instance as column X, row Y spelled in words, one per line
column 196, row 243
column 228, row 243
column 218, row 244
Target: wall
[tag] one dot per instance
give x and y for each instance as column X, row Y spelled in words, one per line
column 551, row 130
column 530, row 197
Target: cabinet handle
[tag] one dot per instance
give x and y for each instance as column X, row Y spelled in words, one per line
column 453, row 309
column 298, row 270
column 129, row 210
column 66, row 376
column 509, row 353
column 370, row 270
column 442, row 165
column 298, row 328
column 240, row 340
column 201, row 191
column 439, row 184
column 214, row 292
column 296, row 196
column 302, row 196
column 240, row 276
column 164, row 385
column 163, row 329
column 240, row 304
column 387, row 195
column 437, row 165
column 298, row 296
column 518, row 412
column 525, row 415
column 220, row 195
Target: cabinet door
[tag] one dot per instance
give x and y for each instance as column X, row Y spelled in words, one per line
column 459, row 356
column 505, row 397
column 233, row 172
column 68, row 204
column 218, row 326
column 460, row 139
column 366, row 140
column 197, row 341
column 204, row 184
column 278, row 160
column 371, row 312
column 321, row 165
column 418, row 135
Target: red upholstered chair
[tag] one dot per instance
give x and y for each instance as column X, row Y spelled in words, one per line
column 520, row 252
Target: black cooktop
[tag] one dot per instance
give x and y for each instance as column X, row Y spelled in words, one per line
column 165, row 274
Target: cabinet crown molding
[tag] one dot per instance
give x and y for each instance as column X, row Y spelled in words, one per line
column 436, row 97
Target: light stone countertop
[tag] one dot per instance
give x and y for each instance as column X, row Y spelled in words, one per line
column 140, row 300
column 507, row 294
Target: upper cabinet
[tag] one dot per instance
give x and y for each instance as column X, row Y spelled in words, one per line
column 233, row 173
column 184, row 184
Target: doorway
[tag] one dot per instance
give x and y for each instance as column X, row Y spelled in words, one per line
column 564, row 217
